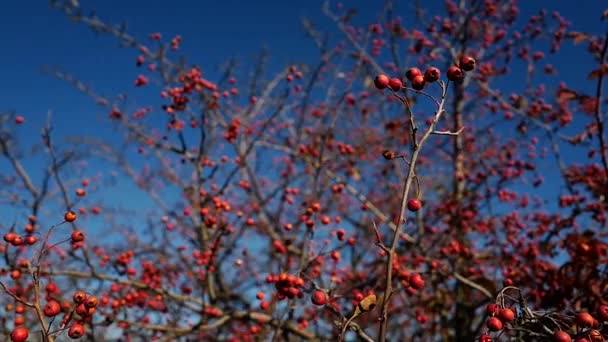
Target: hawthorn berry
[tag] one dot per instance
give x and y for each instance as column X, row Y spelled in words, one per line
column 485, row 338
column 432, row 74
column 395, row 84
column 77, row 236
column 561, row 336
column 70, row 216
column 19, row 334
column 416, row 281
column 381, row 81
column 414, row 204
column 411, row 73
column 492, row 309
column 79, row 297
column 319, row 298
column 602, row 312
column 76, row 331
column 10, row 237
column 467, row 63
column 494, row 324
column 418, row 82
column 52, row 308
column 584, row 319
column 19, row 119
column 455, row 74
column 506, row 315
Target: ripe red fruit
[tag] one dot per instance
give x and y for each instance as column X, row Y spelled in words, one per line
column 602, row 313
column 492, row 309
column 319, row 298
column 418, row 82
column 455, row 74
column 10, row 237
column 76, row 331
column 79, row 297
column 432, row 74
column 467, row 63
column 19, row 119
column 584, row 319
column 395, row 84
column 561, row 336
column 381, row 81
column 506, row 315
column 485, row 338
column 19, row 334
column 416, row 281
column 52, row 308
column 77, row 236
column 411, row 73
column 494, row 324
column 70, row 216
column 414, row 204
column 31, row 239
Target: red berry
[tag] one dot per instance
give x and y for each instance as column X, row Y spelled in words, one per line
column 492, row 309
column 411, row 73
column 432, row 74
column 467, row 63
column 455, row 74
column 79, row 297
column 77, row 236
column 418, row 82
column 584, row 319
column 70, row 216
column 381, row 81
column 416, row 281
column 485, row 338
column 30, row 239
column 52, row 308
column 76, row 331
column 414, row 204
column 10, row 237
column 319, row 298
column 506, row 315
column 602, row 312
column 561, row 336
column 19, row 334
column 19, row 119
column 494, row 324
column 395, row 84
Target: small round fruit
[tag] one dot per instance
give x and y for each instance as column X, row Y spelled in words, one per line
column 432, row 74
column 561, row 336
column 395, row 84
column 467, row 63
column 381, row 81
column 77, row 236
column 414, row 204
column 319, row 298
column 19, row 334
column 416, row 281
column 19, row 120
column 494, row 324
column 485, row 338
column 418, row 82
column 492, row 309
column 455, row 74
column 76, row 331
column 411, row 73
column 79, row 297
column 52, row 308
column 506, row 315
column 584, row 319
column 70, row 216
column 602, row 313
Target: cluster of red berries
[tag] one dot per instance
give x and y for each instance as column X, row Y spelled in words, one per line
column 287, row 285
column 418, row 79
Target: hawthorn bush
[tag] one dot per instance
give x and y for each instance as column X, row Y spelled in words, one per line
column 432, row 180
